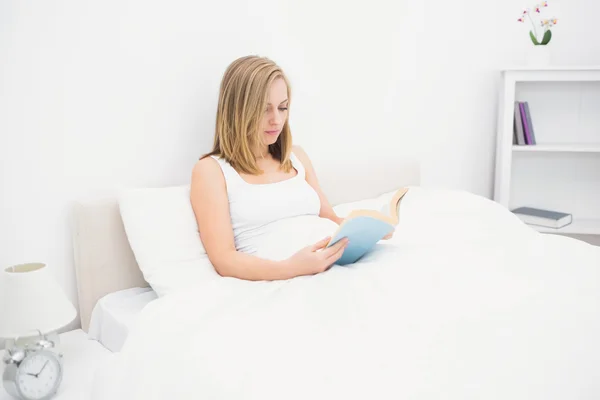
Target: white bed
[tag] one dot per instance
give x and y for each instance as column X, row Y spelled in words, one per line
column 465, row 302
column 114, row 315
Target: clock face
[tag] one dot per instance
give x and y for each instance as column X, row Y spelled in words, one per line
column 38, row 376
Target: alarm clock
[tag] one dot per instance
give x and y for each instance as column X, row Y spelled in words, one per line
column 33, row 372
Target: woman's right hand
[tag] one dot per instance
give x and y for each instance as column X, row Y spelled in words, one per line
column 316, row 258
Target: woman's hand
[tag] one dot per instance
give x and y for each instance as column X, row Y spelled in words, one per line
column 316, row 258
column 389, row 235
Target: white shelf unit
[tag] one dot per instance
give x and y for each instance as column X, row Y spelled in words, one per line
column 561, row 171
column 561, row 148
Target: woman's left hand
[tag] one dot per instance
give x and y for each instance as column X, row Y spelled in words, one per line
column 389, row 235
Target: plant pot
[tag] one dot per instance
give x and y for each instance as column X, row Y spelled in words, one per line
column 538, row 56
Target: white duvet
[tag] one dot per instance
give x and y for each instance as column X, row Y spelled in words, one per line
column 465, row 302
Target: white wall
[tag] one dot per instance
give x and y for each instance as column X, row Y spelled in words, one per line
column 97, row 96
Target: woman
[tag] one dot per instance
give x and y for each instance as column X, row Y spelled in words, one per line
column 255, row 181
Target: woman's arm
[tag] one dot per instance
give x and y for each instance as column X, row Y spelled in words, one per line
column 208, row 196
column 311, row 177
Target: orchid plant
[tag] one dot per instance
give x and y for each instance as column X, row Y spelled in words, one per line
column 544, row 24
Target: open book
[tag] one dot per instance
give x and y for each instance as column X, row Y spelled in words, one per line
column 364, row 228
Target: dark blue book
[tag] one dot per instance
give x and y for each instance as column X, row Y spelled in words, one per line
column 541, row 217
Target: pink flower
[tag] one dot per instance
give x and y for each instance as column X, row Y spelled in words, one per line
column 537, row 9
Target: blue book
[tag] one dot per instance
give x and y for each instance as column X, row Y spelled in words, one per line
column 364, row 228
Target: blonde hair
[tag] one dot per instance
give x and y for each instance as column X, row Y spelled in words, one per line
column 242, row 100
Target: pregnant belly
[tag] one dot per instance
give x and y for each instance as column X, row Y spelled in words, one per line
column 283, row 238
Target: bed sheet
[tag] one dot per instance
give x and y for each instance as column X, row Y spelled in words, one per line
column 115, row 313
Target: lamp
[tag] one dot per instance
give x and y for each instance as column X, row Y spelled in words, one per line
column 32, row 302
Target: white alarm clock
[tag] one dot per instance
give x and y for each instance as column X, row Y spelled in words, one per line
column 34, row 372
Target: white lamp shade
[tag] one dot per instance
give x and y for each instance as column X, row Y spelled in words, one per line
column 31, row 300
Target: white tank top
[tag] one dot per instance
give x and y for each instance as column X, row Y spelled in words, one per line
column 274, row 220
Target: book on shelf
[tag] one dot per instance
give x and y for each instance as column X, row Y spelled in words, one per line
column 542, row 217
column 519, row 135
column 523, row 132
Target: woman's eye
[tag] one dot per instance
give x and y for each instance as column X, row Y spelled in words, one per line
column 283, row 109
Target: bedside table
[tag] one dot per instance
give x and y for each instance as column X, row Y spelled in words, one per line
column 81, row 356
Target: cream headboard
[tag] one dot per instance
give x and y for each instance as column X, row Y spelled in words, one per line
column 105, row 263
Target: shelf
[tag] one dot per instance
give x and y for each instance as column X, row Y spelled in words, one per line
column 568, row 68
column 552, row 74
column 581, row 227
column 564, row 148
column 561, row 171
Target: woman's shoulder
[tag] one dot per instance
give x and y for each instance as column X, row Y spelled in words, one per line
column 208, row 170
column 299, row 152
column 206, row 163
column 302, row 156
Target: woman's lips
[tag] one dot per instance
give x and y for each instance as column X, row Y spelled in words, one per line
column 274, row 132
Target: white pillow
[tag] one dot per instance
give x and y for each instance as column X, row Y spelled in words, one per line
column 163, row 234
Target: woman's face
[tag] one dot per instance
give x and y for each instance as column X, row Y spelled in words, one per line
column 276, row 112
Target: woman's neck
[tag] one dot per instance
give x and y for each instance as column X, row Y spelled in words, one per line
column 262, row 153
